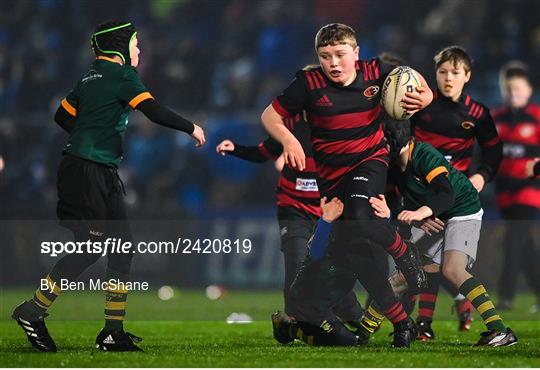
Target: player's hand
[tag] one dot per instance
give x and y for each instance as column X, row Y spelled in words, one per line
column 379, row 206
column 430, row 226
column 415, row 101
column 478, row 181
column 332, row 210
column 294, row 154
column 409, row 217
column 198, row 135
column 226, row 146
column 529, row 167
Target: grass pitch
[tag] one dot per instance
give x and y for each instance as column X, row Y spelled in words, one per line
column 190, row 331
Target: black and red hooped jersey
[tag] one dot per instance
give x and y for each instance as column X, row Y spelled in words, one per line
column 344, row 120
column 297, row 189
column 519, row 130
column 452, row 127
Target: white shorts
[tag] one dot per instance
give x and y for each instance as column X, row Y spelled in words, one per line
column 460, row 233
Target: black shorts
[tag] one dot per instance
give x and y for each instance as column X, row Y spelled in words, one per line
column 295, row 223
column 90, row 199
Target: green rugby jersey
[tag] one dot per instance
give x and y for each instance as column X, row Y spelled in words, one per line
column 425, row 163
column 100, row 103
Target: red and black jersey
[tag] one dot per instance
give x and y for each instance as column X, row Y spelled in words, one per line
column 452, row 127
column 296, row 189
column 344, row 120
column 519, row 129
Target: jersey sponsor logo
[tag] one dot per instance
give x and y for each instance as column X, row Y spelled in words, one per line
column 371, row 91
column 306, row 184
column 467, row 125
column 448, row 158
column 359, row 196
column 95, row 233
column 360, row 178
column 513, row 150
column 324, row 102
column 91, row 75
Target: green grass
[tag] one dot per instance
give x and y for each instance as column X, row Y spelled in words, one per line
column 190, row 331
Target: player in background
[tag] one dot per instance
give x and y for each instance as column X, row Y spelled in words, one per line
column 95, row 114
column 342, row 102
column 431, row 187
column 298, row 210
column 518, row 197
column 451, row 124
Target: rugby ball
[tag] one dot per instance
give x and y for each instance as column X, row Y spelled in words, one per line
column 402, row 79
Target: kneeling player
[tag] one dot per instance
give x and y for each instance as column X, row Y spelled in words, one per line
column 323, row 271
column 433, row 188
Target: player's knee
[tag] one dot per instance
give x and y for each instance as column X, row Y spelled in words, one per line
column 452, row 272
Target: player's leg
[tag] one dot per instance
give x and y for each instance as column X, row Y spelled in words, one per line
column 82, row 209
column 376, row 283
column 531, row 253
column 360, row 223
column 513, row 242
column 461, row 242
column 113, row 337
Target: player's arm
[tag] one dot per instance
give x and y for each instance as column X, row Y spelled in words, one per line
column 65, row 118
column 331, row 211
column 291, row 102
column 442, row 200
column 267, row 150
column 293, row 153
column 415, row 101
column 491, row 148
column 532, row 168
column 163, row 116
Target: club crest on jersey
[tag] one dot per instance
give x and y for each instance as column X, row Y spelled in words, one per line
column 467, row 125
column 371, row 91
column 526, row 130
column 306, row 184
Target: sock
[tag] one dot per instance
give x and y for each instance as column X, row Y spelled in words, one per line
column 44, row 298
column 396, row 313
column 372, row 319
column 398, row 247
column 428, row 297
column 477, row 295
column 115, row 303
column 408, row 302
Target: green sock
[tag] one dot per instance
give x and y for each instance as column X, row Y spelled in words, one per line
column 115, row 303
column 477, row 295
column 44, row 298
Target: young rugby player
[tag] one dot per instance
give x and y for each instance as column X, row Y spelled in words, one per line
column 451, row 124
column 518, row 197
column 95, row 114
column 431, row 187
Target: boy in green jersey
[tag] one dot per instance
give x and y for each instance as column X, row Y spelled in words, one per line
column 95, row 114
column 434, row 190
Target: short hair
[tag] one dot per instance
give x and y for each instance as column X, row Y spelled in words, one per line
column 391, row 58
column 454, row 54
column 335, row 34
column 397, row 134
column 514, row 69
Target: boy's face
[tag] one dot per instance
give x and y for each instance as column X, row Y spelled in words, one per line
column 134, row 52
column 338, row 62
column 451, row 78
column 516, row 92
